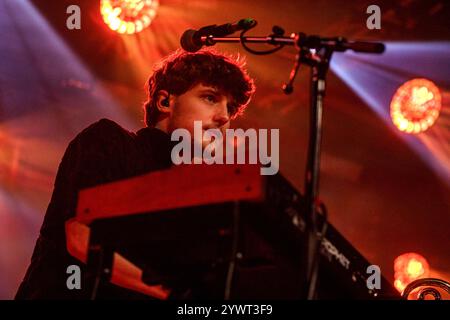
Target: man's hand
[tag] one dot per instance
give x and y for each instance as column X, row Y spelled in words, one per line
column 124, row 274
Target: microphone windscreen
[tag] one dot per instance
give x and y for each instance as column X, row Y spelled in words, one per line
column 188, row 43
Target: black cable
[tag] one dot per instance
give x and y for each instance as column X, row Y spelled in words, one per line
column 260, row 53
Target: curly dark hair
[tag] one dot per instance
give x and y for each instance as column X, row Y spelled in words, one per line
column 182, row 70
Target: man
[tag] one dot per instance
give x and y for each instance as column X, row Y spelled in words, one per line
column 204, row 86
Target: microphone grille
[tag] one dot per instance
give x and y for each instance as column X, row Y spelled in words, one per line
column 187, row 41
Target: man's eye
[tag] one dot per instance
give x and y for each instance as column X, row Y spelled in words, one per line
column 210, row 98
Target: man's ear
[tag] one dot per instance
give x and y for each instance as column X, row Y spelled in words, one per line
column 163, row 101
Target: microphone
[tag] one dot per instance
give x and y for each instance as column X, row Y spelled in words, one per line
column 191, row 39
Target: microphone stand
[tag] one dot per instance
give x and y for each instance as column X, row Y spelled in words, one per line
column 319, row 64
column 315, row 52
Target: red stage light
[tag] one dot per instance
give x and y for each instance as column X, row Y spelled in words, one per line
column 128, row 16
column 416, row 105
column 409, row 267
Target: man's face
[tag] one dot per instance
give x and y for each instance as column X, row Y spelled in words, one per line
column 201, row 103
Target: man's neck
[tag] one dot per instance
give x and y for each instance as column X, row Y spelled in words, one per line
column 163, row 126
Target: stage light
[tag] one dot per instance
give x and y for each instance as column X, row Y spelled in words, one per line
column 415, row 106
column 409, row 267
column 128, row 16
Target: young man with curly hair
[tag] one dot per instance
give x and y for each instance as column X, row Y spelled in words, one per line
column 185, row 87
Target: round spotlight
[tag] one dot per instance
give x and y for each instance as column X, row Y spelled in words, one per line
column 415, row 106
column 128, row 16
column 409, row 267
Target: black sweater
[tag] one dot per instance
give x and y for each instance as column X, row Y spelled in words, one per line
column 101, row 153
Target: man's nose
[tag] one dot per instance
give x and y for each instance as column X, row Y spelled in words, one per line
column 221, row 117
